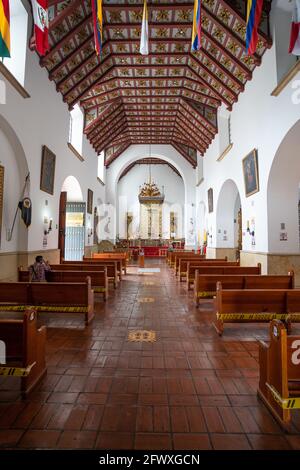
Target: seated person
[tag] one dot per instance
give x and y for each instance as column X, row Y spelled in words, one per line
column 37, row 271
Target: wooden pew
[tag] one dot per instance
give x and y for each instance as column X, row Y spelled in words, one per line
column 183, row 264
column 25, row 349
column 171, row 258
column 94, row 264
column 279, row 378
column 255, row 305
column 49, row 297
column 99, row 280
column 112, row 270
column 178, row 256
column 110, row 257
column 227, row 268
column 205, row 284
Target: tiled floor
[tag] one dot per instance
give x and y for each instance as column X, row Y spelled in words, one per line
column 188, row 390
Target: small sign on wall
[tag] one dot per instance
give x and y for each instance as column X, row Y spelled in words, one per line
column 283, row 236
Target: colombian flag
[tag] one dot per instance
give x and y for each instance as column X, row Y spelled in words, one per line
column 98, row 25
column 4, row 29
column 254, row 11
column 196, row 31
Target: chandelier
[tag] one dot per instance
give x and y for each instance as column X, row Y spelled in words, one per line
column 149, row 192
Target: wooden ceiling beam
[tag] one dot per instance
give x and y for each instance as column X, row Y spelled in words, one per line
column 107, row 129
column 65, row 39
column 117, row 154
column 64, row 13
column 89, row 128
column 71, row 56
column 184, row 155
column 91, row 86
column 192, row 133
column 112, row 118
column 193, row 109
column 110, row 138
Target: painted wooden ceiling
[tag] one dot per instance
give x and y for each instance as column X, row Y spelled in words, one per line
column 170, row 96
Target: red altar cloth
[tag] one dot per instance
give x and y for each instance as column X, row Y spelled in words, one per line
column 149, row 251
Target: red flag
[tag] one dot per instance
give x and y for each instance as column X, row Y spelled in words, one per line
column 295, row 30
column 41, row 25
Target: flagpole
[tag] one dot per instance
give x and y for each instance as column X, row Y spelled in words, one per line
column 22, row 194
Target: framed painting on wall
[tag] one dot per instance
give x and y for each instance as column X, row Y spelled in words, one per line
column 250, row 171
column 47, row 170
column 210, row 200
column 90, row 202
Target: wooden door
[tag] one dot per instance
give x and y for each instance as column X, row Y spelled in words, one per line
column 62, row 223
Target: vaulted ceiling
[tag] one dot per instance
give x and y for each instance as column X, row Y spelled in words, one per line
column 170, row 96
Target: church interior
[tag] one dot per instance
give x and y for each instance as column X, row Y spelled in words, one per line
column 150, row 225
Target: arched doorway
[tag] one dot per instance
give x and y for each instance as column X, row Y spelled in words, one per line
column 229, row 222
column 71, row 238
column 13, row 173
column 283, row 195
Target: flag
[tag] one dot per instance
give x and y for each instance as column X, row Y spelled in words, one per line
column 295, row 30
column 144, row 47
column 196, row 31
column 254, row 11
column 98, row 25
column 25, row 207
column 41, row 25
column 4, row 29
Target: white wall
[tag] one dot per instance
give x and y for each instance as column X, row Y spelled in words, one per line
column 128, row 191
column 43, row 119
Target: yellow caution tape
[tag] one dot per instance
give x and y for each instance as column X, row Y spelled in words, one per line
column 285, row 403
column 16, row 371
column 258, row 316
column 205, row 294
column 41, row 308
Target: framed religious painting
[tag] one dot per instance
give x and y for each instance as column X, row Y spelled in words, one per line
column 210, row 200
column 250, row 171
column 47, row 170
column 90, row 202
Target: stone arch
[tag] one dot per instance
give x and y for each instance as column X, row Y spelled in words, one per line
column 16, row 169
column 73, row 189
column 228, row 206
column 283, row 195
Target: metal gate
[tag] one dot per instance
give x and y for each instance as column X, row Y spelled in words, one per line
column 75, row 231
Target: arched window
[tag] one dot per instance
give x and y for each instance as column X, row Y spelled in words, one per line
column 101, row 166
column 18, row 41
column 76, row 128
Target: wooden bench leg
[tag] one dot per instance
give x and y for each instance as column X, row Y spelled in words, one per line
column 219, row 326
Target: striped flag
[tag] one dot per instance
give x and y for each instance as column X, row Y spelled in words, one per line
column 98, row 25
column 41, row 25
column 4, row 29
column 144, row 46
column 295, row 30
column 254, row 11
column 196, row 31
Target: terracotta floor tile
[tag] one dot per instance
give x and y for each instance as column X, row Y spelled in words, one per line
column 153, row 441
column 190, row 389
column 230, row 442
column 77, row 440
column 44, row 439
column 115, row 440
column 10, row 437
column 191, row 442
column 267, row 442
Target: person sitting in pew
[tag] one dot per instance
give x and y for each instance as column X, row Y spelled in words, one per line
column 38, row 270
